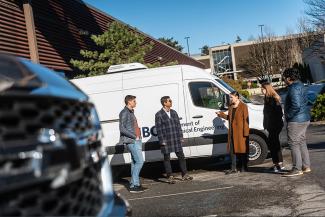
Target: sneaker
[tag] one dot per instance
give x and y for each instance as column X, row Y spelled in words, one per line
column 137, row 189
column 280, row 166
column 229, row 172
column 187, row 178
column 306, row 170
column 171, row 180
column 294, row 172
column 275, row 169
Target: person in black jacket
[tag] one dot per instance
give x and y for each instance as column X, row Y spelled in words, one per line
column 273, row 123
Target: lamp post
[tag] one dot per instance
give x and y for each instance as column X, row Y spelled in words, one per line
column 261, row 26
column 188, row 47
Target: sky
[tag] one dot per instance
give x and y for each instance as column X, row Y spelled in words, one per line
column 206, row 22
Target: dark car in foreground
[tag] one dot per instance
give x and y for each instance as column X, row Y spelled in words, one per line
column 51, row 159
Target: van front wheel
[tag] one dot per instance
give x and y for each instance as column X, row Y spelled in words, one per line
column 257, row 149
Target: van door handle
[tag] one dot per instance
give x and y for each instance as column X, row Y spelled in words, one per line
column 198, row 116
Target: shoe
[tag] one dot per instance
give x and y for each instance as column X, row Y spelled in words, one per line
column 274, row 169
column 280, row 166
column 171, row 180
column 306, row 170
column 229, row 172
column 293, row 172
column 187, row 178
column 137, row 189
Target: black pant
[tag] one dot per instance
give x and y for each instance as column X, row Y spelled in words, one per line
column 275, row 146
column 181, row 160
column 238, row 161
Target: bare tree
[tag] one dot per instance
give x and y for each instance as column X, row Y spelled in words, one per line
column 271, row 55
column 263, row 57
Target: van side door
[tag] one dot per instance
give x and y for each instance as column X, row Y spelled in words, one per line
column 209, row 132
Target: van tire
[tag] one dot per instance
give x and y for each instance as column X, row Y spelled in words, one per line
column 257, row 149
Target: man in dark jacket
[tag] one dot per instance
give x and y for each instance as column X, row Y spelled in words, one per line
column 130, row 135
column 170, row 136
column 297, row 116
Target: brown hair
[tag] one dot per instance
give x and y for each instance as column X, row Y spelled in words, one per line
column 164, row 99
column 128, row 98
column 270, row 92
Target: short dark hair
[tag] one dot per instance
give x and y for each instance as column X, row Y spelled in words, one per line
column 235, row 93
column 291, row 73
column 164, row 99
column 128, row 98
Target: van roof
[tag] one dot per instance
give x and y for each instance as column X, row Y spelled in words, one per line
column 189, row 72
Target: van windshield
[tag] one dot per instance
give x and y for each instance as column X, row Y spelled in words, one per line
column 231, row 89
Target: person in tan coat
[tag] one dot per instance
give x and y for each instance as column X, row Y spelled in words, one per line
column 238, row 133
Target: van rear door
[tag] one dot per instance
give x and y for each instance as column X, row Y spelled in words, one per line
column 208, row 131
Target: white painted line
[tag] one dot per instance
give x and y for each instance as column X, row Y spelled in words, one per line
column 190, row 192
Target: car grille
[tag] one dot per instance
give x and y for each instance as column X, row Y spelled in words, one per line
column 22, row 118
column 82, row 197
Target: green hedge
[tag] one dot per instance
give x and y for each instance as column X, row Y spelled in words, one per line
column 245, row 93
column 318, row 110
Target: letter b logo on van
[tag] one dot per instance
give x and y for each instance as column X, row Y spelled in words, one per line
column 147, row 132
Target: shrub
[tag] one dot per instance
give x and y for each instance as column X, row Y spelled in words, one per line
column 318, row 110
column 236, row 84
column 244, row 85
column 254, row 85
column 245, row 93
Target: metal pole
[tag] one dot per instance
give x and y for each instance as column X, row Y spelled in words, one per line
column 261, row 26
column 188, row 47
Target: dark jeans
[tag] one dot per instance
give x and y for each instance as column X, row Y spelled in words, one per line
column 181, row 160
column 238, row 161
column 275, row 146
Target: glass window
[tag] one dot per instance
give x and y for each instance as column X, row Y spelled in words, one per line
column 206, row 94
column 222, row 61
column 227, row 86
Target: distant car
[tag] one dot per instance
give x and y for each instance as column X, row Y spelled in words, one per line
column 313, row 91
column 51, row 158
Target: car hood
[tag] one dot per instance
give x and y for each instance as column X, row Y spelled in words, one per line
column 39, row 80
column 255, row 107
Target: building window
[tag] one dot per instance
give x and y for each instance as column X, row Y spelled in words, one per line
column 222, row 61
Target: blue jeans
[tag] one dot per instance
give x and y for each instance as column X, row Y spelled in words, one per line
column 136, row 162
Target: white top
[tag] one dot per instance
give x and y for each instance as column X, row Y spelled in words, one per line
column 167, row 112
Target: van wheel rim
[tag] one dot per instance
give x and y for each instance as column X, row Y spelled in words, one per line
column 254, row 150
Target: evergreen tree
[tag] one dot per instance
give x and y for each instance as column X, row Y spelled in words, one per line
column 117, row 45
column 205, row 50
column 172, row 43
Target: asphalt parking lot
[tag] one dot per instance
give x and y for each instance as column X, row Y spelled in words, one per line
column 211, row 193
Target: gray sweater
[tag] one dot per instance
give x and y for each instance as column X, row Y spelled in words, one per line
column 127, row 129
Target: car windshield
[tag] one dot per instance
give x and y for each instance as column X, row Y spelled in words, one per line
column 231, row 89
column 15, row 76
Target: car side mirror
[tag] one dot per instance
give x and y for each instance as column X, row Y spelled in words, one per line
column 225, row 102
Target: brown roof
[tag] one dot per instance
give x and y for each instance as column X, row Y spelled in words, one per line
column 63, row 28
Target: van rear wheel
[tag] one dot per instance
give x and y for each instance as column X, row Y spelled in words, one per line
column 257, row 149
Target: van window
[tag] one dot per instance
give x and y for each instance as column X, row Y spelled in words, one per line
column 206, row 94
column 227, row 86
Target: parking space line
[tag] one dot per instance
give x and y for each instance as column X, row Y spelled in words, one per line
column 189, row 192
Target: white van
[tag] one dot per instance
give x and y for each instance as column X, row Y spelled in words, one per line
column 196, row 97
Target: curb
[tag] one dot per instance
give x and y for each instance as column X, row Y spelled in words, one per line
column 318, row 123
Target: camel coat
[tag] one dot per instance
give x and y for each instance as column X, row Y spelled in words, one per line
column 239, row 127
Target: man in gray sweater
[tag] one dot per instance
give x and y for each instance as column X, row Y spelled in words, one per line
column 130, row 135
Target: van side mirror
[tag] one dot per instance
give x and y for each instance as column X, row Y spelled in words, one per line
column 225, row 102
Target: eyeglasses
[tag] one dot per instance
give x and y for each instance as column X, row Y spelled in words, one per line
column 169, row 100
